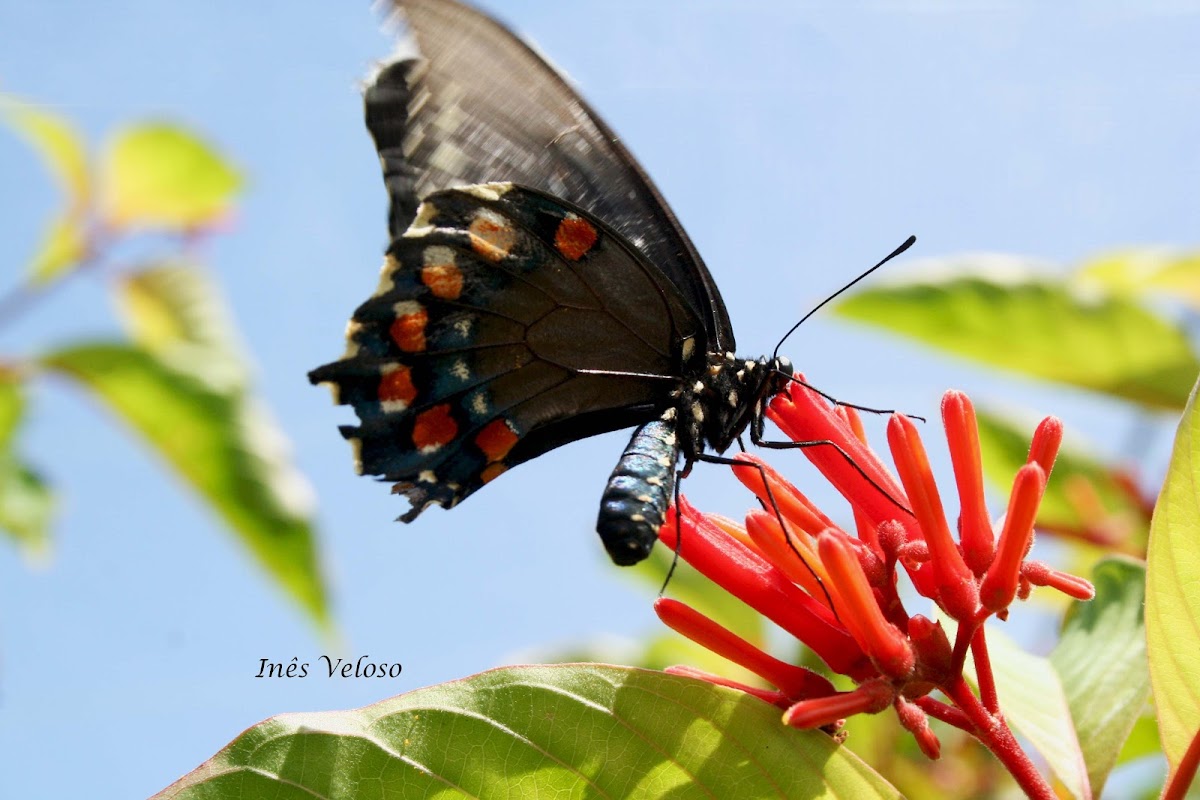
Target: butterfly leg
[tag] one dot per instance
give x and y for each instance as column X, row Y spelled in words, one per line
column 774, row 505
column 849, row 460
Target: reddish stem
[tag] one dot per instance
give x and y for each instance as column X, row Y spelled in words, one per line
column 962, row 641
column 1181, row 779
column 994, row 734
column 947, row 714
column 983, row 672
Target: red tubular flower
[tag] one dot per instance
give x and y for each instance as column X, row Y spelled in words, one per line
column 774, row 697
column 836, row 592
column 755, row 581
column 999, row 585
column 858, row 609
column 962, row 434
column 806, row 417
column 1043, row 448
column 957, row 592
column 792, row 681
column 869, row 698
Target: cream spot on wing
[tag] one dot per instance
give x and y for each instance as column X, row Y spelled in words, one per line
column 479, row 404
column 488, row 191
column 422, row 224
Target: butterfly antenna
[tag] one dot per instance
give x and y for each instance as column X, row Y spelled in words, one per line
column 909, row 242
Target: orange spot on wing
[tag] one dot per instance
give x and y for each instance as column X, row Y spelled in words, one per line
column 491, row 472
column 408, row 331
column 434, row 428
column 575, row 237
column 444, row 280
column 491, row 237
column 496, row 439
column 397, row 386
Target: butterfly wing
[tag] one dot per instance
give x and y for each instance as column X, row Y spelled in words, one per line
column 506, row 323
column 480, row 106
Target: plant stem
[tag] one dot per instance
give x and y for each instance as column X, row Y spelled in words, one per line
column 992, row 731
column 1185, row 772
column 983, row 672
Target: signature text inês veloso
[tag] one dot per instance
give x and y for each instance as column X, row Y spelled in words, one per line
column 362, row 667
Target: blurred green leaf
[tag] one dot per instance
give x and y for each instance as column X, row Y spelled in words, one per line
column 1142, row 740
column 58, row 143
column 1172, row 602
column 1079, row 478
column 571, row 731
column 174, row 303
column 177, row 313
column 218, row 442
column 63, row 243
column 26, row 502
column 1101, row 659
column 26, row 506
column 12, row 407
column 160, row 175
column 63, row 247
column 1042, row 329
column 1035, row 704
column 1144, row 271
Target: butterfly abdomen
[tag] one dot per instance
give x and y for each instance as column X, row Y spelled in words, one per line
column 634, row 504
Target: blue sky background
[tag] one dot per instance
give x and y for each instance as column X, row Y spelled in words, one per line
column 798, row 143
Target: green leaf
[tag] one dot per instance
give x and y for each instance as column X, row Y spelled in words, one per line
column 1172, row 602
column 12, row 407
column 170, row 304
column 26, row 507
column 63, row 247
column 571, row 731
column 1143, row 740
column 63, row 243
column 1042, row 329
column 217, row 441
column 26, row 502
column 1035, row 704
column 159, row 175
column 177, row 313
column 1101, row 659
column 1144, row 271
column 58, row 143
column 1004, row 446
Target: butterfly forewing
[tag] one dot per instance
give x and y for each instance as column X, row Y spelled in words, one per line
column 479, row 106
column 506, row 323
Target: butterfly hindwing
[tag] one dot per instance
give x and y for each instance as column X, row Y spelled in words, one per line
column 506, row 323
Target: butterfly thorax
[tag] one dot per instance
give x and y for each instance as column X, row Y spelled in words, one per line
column 716, row 406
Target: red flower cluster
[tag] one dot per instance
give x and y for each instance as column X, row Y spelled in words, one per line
column 837, row 592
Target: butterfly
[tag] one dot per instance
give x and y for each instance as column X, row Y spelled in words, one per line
column 537, row 290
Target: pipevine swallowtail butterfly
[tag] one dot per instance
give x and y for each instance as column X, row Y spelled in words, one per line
column 537, row 290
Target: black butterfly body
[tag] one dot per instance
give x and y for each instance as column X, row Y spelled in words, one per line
column 537, row 290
